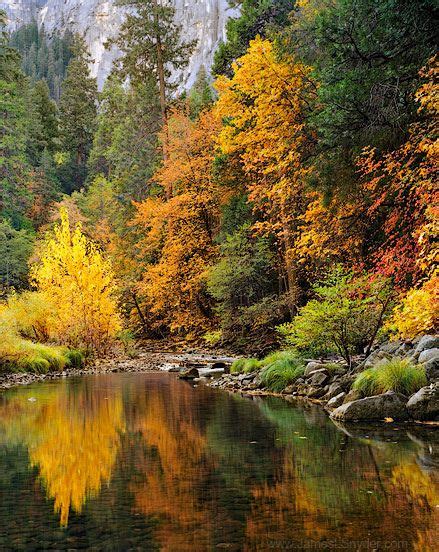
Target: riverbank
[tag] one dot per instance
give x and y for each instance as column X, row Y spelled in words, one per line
column 150, row 357
column 331, row 384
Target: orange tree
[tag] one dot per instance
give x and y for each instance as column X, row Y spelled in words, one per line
column 179, row 226
column 264, row 107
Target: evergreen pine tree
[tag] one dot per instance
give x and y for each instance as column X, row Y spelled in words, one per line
column 78, row 115
column 151, row 45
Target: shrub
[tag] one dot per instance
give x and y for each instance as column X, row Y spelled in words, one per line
column 344, row 317
column 213, row 338
column 394, row 375
column 245, row 366
column 418, row 312
column 280, row 369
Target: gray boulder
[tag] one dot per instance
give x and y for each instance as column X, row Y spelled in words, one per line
column 318, row 378
column 312, row 366
column 315, row 392
column 428, row 354
column 336, row 401
column 334, row 390
column 424, row 405
column 388, row 405
column 432, row 369
column 391, row 346
column 427, row 342
column 375, row 357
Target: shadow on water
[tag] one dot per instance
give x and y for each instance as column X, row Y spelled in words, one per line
column 147, row 462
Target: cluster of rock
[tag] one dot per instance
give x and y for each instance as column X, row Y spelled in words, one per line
column 331, row 384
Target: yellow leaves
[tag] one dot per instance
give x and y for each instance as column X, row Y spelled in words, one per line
column 76, row 279
column 418, row 312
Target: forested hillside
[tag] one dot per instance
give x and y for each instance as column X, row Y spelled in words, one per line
column 299, row 180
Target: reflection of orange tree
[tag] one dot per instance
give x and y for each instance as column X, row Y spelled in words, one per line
column 174, row 465
column 72, row 439
column 422, row 491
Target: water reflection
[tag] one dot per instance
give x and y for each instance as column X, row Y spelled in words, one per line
column 145, row 461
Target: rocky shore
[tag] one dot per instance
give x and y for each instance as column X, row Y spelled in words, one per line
column 330, row 384
column 150, row 357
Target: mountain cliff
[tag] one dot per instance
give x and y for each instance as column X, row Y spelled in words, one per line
column 98, row 20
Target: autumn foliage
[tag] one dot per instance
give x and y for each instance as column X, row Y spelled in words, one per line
column 78, row 282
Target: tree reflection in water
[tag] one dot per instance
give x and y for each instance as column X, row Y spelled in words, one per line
column 150, row 461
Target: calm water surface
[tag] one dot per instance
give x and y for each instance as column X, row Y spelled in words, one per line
column 147, row 462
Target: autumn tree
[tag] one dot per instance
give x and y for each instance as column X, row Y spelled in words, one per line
column 264, row 105
column 180, row 225
column 79, row 282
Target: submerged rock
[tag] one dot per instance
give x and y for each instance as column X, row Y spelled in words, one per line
column 424, row 405
column 377, row 407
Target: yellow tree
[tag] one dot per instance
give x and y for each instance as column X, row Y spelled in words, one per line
column 179, row 227
column 79, row 282
column 264, row 105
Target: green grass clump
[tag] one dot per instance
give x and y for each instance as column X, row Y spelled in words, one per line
column 245, row 366
column 75, row 358
column 281, row 369
column 398, row 375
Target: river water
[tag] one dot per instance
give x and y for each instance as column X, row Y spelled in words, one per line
column 148, row 462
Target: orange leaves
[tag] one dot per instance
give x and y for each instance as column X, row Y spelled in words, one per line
column 179, row 228
column 264, row 106
column 404, row 195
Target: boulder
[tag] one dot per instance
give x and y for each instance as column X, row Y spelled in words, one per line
column 190, row 374
column 432, row 369
column 428, row 354
column 391, row 346
column 403, row 349
column 427, row 342
column 374, row 358
column 336, row 401
column 289, row 389
column 313, row 366
column 334, row 390
column 378, row 407
column 352, row 395
column 424, row 405
column 315, row 392
column 318, row 378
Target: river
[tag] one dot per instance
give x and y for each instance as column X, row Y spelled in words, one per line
column 148, row 462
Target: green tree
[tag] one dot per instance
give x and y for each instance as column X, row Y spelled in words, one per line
column 152, row 46
column 344, row 317
column 14, row 166
column 48, row 114
column 201, row 94
column 78, row 107
column 256, row 17
column 15, row 249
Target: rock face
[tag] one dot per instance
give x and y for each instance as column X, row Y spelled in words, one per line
column 389, row 405
column 21, row 12
column 99, row 20
column 424, row 405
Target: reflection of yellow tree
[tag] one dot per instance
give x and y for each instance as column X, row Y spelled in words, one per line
column 73, row 439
